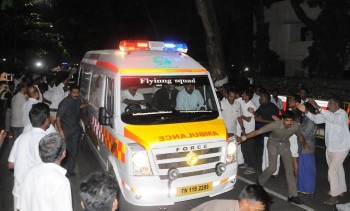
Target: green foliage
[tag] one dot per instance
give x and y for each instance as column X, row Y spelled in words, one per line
column 27, row 34
column 6, row 4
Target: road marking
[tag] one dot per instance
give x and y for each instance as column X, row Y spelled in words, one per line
column 275, row 194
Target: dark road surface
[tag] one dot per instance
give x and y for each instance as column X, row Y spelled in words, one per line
column 276, row 187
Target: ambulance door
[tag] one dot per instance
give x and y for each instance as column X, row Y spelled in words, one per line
column 86, row 113
column 106, row 118
column 96, row 93
column 109, row 100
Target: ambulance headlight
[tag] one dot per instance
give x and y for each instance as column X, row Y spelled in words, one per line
column 140, row 161
column 231, row 152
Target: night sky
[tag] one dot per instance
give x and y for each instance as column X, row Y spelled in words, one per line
column 102, row 24
column 64, row 30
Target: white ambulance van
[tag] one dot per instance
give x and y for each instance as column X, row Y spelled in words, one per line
column 160, row 153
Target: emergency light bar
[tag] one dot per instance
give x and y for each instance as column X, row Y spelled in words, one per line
column 134, row 45
column 127, row 45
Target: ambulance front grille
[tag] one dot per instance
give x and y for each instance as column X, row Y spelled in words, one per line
column 208, row 157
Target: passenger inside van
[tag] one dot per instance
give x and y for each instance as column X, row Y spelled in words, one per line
column 189, row 98
column 164, row 99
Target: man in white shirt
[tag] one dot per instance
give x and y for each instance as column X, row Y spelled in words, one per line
column 99, row 192
column 17, row 103
column 189, row 98
column 256, row 97
column 58, row 95
column 231, row 110
column 33, row 94
column 45, row 186
column 248, row 126
column 132, row 97
column 47, row 96
column 25, row 151
column 337, row 141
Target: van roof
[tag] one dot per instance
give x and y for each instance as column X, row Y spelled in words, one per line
column 146, row 60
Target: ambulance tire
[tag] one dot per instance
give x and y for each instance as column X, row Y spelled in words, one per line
column 83, row 142
column 122, row 203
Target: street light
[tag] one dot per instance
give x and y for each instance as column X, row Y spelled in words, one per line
column 4, row 59
column 38, row 64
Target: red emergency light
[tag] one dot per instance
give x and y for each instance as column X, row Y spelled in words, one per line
column 131, row 45
column 142, row 45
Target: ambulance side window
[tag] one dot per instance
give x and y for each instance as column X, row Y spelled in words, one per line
column 85, row 82
column 109, row 96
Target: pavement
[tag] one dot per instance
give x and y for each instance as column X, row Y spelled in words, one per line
column 277, row 187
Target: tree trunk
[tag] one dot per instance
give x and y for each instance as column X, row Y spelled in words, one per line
column 150, row 19
column 262, row 48
column 214, row 47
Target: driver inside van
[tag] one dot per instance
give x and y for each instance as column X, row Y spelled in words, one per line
column 132, row 99
column 189, row 98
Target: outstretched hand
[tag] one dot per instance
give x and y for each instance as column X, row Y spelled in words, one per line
column 3, row 76
column 313, row 103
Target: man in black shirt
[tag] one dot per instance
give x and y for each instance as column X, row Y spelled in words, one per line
column 67, row 120
column 264, row 115
column 165, row 98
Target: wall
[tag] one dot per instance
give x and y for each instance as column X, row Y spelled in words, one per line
column 285, row 31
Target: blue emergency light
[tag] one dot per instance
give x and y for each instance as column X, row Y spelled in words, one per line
column 175, row 46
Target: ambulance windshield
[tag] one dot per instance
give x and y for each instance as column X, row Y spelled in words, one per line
column 167, row 99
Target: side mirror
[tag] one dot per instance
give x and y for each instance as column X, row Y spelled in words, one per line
column 103, row 117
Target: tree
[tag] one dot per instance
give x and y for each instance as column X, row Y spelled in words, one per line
column 330, row 50
column 264, row 58
column 27, row 35
column 214, row 46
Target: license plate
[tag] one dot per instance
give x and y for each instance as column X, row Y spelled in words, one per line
column 194, row 189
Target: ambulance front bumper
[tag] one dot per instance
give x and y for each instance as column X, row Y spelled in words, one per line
column 152, row 191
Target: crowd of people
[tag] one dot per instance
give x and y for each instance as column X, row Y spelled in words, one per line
column 40, row 183
column 288, row 135
column 42, row 116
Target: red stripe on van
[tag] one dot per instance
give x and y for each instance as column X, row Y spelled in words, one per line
column 107, row 65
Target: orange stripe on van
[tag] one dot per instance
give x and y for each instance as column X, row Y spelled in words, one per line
column 132, row 136
column 107, row 65
column 117, row 147
column 155, row 70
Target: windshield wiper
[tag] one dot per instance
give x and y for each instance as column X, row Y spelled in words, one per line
column 194, row 111
column 151, row 113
